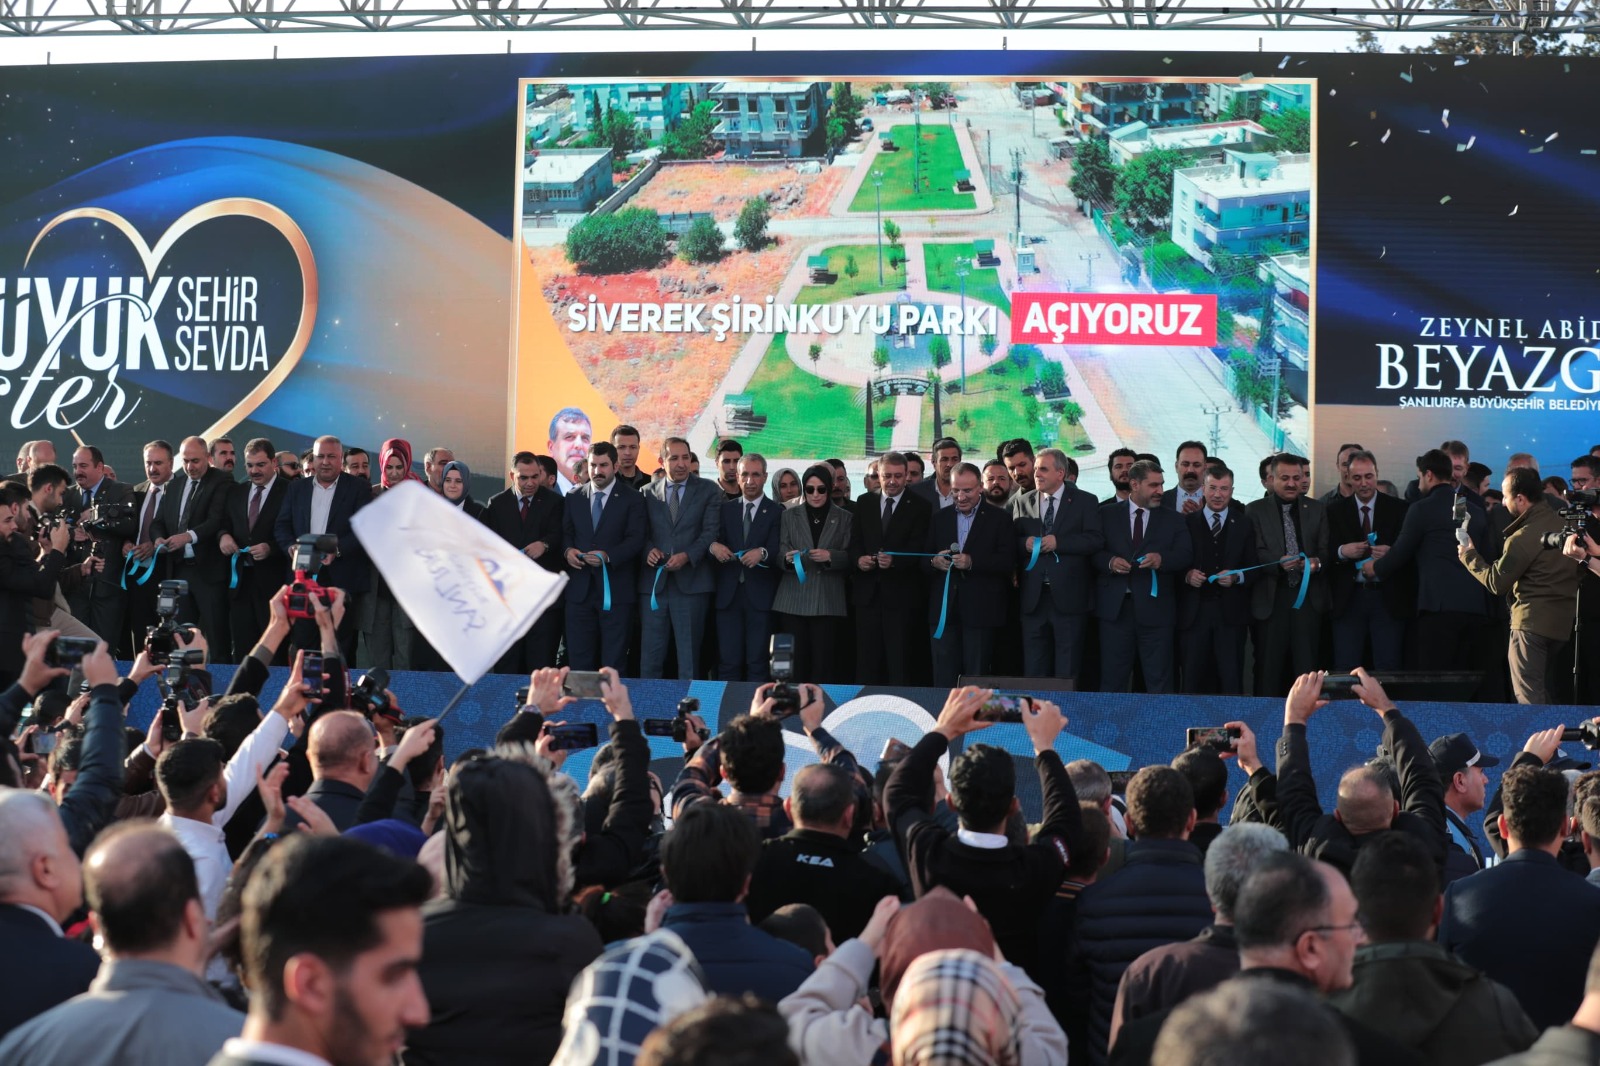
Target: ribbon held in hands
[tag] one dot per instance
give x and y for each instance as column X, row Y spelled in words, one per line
column 655, row 583
column 1305, row 576
column 1155, row 586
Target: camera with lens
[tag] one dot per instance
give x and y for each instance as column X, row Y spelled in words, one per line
column 1574, row 518
column 112, row 521
column 307, row 562
column 1587, row 734
column 369, row 695
column 180, row 685
column 49, row 520
column 785, row 695
column 161, row 639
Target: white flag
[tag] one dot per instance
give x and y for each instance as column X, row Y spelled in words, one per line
column 468, row 591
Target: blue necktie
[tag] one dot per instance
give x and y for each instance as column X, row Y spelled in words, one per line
column 594, row 509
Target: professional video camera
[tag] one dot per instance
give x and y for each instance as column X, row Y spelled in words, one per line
column 370, row 695
column 112, row 521
column 1587, row 734
column 51, row 519
column 307, row 562
column 161, row 639
column 1574, row 517
column 677, row 727
column 179, row 684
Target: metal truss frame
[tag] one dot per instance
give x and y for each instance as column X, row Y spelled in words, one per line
column 46, row 18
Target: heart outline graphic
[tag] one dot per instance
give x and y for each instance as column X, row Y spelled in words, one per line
column 246, row 207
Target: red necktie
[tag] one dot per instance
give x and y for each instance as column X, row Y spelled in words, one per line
column 255, row 505
column 1366, row 519
column 525, row 501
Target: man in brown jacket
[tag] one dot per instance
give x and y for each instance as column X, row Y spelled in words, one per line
column 1543, row 584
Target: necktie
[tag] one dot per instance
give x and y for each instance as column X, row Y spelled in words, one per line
column 594, row 509
column 1366, row 519
column 1050, row 515
column 255, row 505
column 183, row 504
column 1216, row 524
column 151, row 500
column 749, row 517
column 1291, row 542
column 525, row 501
column 888, row 510
column 676, row 501
column 1138, row 527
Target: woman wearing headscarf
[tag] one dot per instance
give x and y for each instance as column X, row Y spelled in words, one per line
column 812, row 540
column 500, row 949
column 637, row 986
column 786, row 486
column 456, row 484
column 388, row 632
column 955, row 1008
column 827, row 1026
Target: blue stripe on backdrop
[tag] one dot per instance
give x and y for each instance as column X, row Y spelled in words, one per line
column 1120, row 731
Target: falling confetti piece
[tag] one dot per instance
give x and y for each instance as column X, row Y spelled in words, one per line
column 1354, row 143
column 1566, row 68
column 1372, row 114
column 1536, row 151
column 1425, row 131
column 1284, row 63
column 1444, row 199
column 1333, row 92
column 1468, row 146
column 1587, row 151
column 1384, row 252
column 1462, row 61
column 1405, row 75
column 1552, row 137
column 1445, row 118
column 1514, row 210
column 1166, row 59
column 1246, row 76
column 1385, row 138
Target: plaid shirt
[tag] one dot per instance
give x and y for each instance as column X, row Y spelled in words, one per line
column 702, row 774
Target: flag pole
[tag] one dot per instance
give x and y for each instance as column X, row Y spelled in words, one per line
column 454, row 700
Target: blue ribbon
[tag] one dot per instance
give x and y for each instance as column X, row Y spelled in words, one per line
column 605, row 580
column 145, row 578
column 944, row 604
column 1033, row 560
column 233, row 568
column 1155, row 586
column 799, row 568
column 654, row 584
column 746, row 551
column 1305, row 581
column 129, row 565
column 1372, row 538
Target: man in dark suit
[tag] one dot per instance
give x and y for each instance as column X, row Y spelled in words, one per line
column 98, row 601
column 40, row 888
column 256, row 563
column 676, row 582
column 355, row 914
column 974, row 567
column 187, row 526
column 1058, row 592
column 1454, row 630
column 888, row 589
column 1526, row 922
column 1146, row 546
column 748, row 574
column 1213, row 615
column 1188, row 495
column 148, row 496
column 324, row 504
column 603, row 529
column 1287, row 526
column 1361, row 525
column 937, row 490
column 529, row 518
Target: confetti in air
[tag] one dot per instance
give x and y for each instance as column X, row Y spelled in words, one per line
column 1405, row 75
column 1385, row 138
column 1587, row 151
column 1552, row 137
column 1515, row 209
column 1445, row 118
column 1383, row 252
column 1468, row 146
column 1462, row 61
column 1536, row 151
column 1246, row 76
column 1284, row 63
column 1444, row 199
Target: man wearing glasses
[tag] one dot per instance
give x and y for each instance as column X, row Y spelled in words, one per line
column 288, row 465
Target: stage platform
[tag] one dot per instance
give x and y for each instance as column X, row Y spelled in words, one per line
column 1119, row 731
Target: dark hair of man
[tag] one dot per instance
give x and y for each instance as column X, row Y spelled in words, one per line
column 967, row 468
column 47, row 475
column 822, row 795
column 1396, row 884
column 160, row 444
column 752, row 754
column 524, row 457
column 730, row 446
column 995, row 462
column 668, row 442
column 1263, row 466
column 1159, row 803
column 1535, row 804
column 260, row 444
column 801, row 925
column 141, row 908
column 187, row 769
column 1587, row 462
column 231, row 720
column 1259, row 1022
column 1016, row 446
column 1435, row 462
column 1207, row 775
column 1089, row 780
column 548, row 464
column 14, row 495
column 95, row 454
column 1586, row 787
column 1347, row 448
column 1086, row 859
column 1072, row 469
column 1141, row 470
column 1284, row 897
column 1147, row 457
column 1187, row 446
column 837, row 464
column 1284, row 459
column 353, row 450
column 321, row 896
column 945, row 444
column 709, row 853
column 1456, row 449
column 624, row 431
column 523, row 726
column 1526, row 483
column 67, row 756
column 1216, row 471
column 891, row 459
column 983, row 782
column 1476, row 472
column 603, row 448
column 722, row 1032
column 913, row 459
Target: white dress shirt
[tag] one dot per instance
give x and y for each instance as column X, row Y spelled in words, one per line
column 277, row 1054
column 987, row 841
column 1133, row 511
column 1182, row 498
column 321, row 505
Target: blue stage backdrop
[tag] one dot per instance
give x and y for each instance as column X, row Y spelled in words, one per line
column 1118, row 731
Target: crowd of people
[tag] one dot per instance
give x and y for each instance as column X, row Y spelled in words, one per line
column 937, row 571
column 310, row 883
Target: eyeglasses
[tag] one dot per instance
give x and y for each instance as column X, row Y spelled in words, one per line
column 1356, row 927
column 816, row 490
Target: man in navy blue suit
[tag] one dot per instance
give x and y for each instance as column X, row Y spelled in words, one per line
column 604, row 530
column 1058, row 593
column 324, row 504
column 746, row 580
column 1146, row 548
column 979, row 570
column 1213, row 615
column 682, row 513
column 529, row 518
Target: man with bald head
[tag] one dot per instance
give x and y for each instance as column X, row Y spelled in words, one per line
column 40, row 886
column 1367, row 803
column 344, row 758
column 32, row 455
column 150, row 1002
column 323, row 504
column 187, row 527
